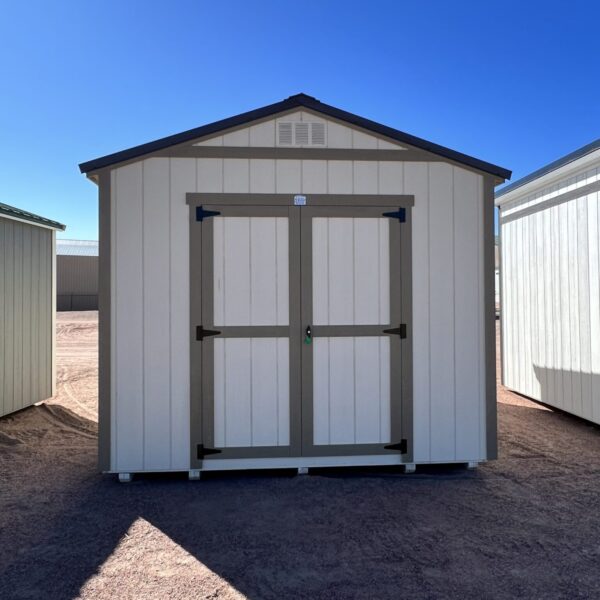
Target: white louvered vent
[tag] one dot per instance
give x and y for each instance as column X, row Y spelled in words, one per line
column 301, row 134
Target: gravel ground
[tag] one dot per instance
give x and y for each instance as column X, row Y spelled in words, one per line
column 525, row 526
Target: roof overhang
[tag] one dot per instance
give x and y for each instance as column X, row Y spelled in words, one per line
column 552, row 172
column 297, row 101
column 16, row 214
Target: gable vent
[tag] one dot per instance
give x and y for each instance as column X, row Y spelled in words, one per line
column 300, row 134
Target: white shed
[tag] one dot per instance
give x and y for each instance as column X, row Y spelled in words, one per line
column 27, row 308
column 295, row 286
column 550, row 280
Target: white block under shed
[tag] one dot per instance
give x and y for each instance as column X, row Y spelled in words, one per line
column 295, row 286
column 550, row 281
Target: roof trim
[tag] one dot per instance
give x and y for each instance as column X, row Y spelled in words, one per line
column 297, row 101
column 17, row 214
column 553, row 166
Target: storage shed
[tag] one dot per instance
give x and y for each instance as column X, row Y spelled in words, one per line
column 76, row 275
column 27, row 308
column 550, row 279
column 295, row 286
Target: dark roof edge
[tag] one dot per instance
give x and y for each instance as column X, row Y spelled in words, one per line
column 299, row 100
column 561, row 162
column 23, row 215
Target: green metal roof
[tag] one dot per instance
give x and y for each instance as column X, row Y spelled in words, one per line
column 23, row 215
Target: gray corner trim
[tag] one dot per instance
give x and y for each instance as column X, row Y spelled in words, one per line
column 278, row 153
column 358, row 200
column 104, row 322
column 490, row 319
column 584, row 190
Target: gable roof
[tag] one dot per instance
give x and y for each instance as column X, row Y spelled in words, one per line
column 297, row 101
column 561, row 162
column 23, row 215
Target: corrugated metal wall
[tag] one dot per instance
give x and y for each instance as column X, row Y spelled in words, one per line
column 77, row 282
column 551, row 298
column 26, row 315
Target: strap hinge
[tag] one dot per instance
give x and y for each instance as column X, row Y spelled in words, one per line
column 401, row 446
column 202, row 451
column 202, row 214
column 399, row 214
column 401, row 331
column 201, row 333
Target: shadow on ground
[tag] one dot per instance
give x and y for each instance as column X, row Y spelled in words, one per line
column 526, row 525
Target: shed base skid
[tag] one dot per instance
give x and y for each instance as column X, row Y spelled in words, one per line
column 125, row 477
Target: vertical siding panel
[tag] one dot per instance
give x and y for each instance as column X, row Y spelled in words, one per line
column 9, row 316
column 182, row 181
column 129, row 401
column 321, row 390
column 546, row 240
column 467, row 325
column 209, row 173
column 574, row 308
column 594, row 290
column 28, row 398
column 441, row 314
column 557, row 291
column 583, row 252
column 2, row 313
column 236, row 175
column 18, row 320
column 565, row 283
column 156, row 284
column 36, row 356
column 314, row 177
column 391, row 177
column 262, row 176
column 288, row 174
column 339, row 176
column 416, row 182
column 365, row 177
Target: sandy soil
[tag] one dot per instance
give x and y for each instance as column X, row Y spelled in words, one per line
column 525, row 526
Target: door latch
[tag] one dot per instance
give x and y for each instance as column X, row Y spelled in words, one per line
column 308, row 336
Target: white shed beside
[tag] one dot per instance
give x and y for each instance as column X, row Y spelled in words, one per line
column 27, row 308
column 550, row 279
column 295, row 286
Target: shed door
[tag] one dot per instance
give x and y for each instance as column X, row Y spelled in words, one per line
column 351, row 368
column 250, row 296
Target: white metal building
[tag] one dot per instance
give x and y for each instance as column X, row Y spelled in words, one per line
column 76, row 275
column 295, row 286
column 27, row 308
column 550, row 279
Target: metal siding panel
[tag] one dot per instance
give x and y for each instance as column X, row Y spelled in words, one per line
column 3, row 292
column 18, row 319
column 26, row 330
column 156, row 317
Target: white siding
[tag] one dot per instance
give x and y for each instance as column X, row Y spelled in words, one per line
column 351, row 390
column 551, row 305
column 252, row 404
column 448, row 207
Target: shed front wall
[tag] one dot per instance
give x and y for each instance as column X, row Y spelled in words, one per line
column 551, row 295
column 150, row 330
column 26, row 315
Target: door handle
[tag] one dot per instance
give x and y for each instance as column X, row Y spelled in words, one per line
column 308, row 335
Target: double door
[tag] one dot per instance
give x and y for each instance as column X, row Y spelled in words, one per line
column 299, row 340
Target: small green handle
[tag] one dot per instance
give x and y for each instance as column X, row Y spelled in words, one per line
column 308, row 336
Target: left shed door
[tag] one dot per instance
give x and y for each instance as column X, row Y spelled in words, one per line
column 250, row 379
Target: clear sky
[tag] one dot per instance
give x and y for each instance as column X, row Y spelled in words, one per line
column 513, row 83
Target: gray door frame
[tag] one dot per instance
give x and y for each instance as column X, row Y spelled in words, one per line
column 202, row 352
column 398, row 314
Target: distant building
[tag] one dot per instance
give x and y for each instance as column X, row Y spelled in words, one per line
column 77, row 275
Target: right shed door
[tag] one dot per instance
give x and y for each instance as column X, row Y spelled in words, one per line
column 351, row 312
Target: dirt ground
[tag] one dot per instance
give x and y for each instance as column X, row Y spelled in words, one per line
column 525, row 526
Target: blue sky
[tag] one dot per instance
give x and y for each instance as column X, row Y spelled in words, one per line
column 513, row 83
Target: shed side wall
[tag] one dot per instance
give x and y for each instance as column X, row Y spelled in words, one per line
column 551, row 304
column 26, row 315
column 150, row 336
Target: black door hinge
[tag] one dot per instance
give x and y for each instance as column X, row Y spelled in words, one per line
column 399, row 214
column 401, row 446
column 202, row 214
column 202, row 451
column 401, row 331
column 201, row 333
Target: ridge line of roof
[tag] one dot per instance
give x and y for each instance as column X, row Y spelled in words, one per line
column 298, row 100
